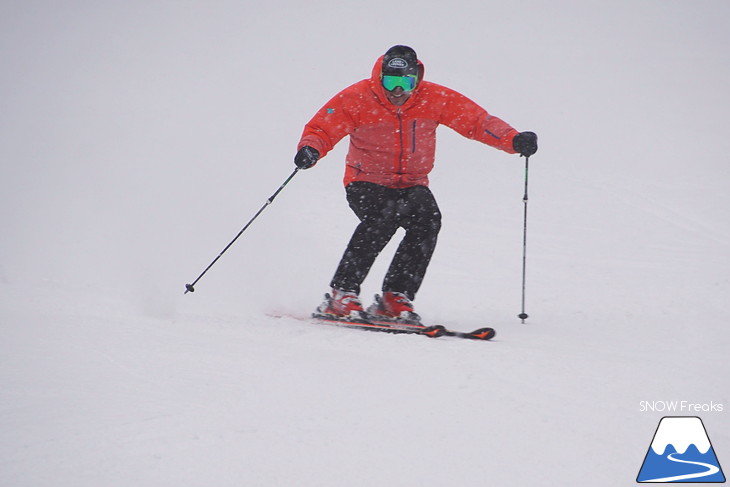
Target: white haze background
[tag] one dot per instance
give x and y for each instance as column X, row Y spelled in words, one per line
column 138, row 137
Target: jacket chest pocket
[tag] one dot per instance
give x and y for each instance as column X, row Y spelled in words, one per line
column 413, row 136
column 422, row 135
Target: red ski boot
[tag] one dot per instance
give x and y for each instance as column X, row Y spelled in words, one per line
column 342, row 305
column 393, row 307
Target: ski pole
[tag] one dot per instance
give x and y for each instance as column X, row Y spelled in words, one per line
column 523, row 316
column 190, row 287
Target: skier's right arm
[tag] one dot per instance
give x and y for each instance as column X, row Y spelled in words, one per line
column 328, row 126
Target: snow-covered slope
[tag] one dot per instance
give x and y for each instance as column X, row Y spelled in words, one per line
column 136, row 139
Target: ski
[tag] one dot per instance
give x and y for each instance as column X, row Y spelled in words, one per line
column 432, row 331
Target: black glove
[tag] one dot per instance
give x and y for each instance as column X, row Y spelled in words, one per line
column 525, row 143
column 306, row 157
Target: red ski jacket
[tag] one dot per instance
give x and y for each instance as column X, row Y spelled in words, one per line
column 393, row 145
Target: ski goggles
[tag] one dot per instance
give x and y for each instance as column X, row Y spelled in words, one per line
column 407, row 82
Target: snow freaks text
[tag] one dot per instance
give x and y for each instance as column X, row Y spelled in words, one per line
column 680, row 407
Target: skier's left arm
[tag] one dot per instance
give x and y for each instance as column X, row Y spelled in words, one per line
column 474, row 122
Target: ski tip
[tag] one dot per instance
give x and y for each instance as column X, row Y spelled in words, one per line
column 483, row 334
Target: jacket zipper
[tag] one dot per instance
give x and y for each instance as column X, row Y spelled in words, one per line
column 400, row 156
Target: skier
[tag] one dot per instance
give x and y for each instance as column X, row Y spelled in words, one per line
column 391, row 119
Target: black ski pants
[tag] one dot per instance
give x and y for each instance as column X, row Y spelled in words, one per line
column 382, row 211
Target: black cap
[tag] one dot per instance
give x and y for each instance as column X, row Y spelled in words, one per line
column 400, row 61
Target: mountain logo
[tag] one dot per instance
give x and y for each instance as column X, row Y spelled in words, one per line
column 680, row 452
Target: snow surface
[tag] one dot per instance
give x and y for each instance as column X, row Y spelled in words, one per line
column 137, row 138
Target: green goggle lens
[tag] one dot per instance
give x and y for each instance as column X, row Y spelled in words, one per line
column 407, row 82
